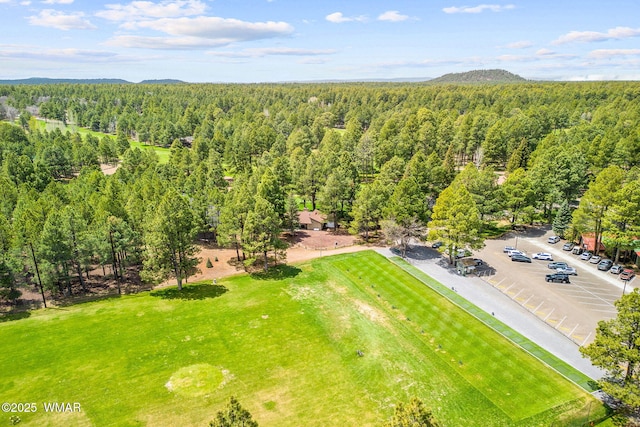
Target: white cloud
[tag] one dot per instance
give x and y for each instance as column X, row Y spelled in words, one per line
column 57, row 1
column 60, row 55
column 215, row 28
column 519, row 45
column 612, row 53
column 201, row 32
column 393, row 16
column 339, row 18
column 144, row 42
column 273, row 51
column 150, row 10
column 61, row 21
column 545, row 52
column 478, row 9
column 617, row 33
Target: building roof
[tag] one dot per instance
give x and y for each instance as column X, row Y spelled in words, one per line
column 589, row 243
column 306, row 217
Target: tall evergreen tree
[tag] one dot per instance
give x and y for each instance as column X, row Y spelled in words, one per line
column 562, row 220
column 456, row 220
column 234, row 415
column 170, row 246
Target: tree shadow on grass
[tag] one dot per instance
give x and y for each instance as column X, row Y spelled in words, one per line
column 191, row 292
column 8, row 317
column 278, row 272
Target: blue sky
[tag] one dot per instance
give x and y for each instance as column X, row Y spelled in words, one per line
column 300, row 40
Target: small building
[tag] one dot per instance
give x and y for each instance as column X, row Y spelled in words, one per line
column 588, row 242
column 311, row 220
column 465, row 266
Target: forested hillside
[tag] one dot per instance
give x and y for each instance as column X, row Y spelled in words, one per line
column 370, row 156
column 479, row 76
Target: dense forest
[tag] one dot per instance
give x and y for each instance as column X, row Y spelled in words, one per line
column 406, row 159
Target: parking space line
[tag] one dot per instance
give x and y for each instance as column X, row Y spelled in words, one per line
column 563, row 319
column 538, row 307
column 545, row 319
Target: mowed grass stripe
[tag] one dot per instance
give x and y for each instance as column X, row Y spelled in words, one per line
column 549, row 359
column 504, row 373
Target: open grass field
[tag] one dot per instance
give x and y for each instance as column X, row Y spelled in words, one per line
column 163, row 153
column 286, row 346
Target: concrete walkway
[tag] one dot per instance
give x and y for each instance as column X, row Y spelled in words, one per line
column 491, row 300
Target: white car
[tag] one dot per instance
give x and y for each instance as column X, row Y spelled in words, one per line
column 516, row 252
column 543, row 256
column 553, row 239
column 585, row 256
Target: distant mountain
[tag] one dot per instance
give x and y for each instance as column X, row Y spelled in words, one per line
column 46, row 81
column 479, row 76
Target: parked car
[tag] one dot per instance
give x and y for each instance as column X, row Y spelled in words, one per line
column 478, row 261
column 556, row 265
column 627, row 274
column 459, row 253
column 553, row 239
column 557, row 278
column 605, row 264
column 585, row 256
column 508, row 249
column 567, row 270
column 577, row 250
column 595, row 259
column 616, row 269
column 516, row 252
column 567, row 246
column 436, row 245
column 543, row 256
column 520, row 258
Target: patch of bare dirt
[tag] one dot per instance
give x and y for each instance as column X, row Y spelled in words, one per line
column 306, row 245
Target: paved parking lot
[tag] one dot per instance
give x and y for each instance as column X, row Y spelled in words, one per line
column 573, row 309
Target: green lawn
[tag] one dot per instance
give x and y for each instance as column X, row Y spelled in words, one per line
column 163, row 153
column 285, row 345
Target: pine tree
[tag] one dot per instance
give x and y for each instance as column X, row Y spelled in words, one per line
column 616, row 350
column 562, row 220
column 234, row 415
column 413, row 414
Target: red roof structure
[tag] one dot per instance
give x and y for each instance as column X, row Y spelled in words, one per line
column 589, row 243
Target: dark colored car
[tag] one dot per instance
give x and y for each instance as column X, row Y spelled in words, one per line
column 627, row 274
column 520, row 258
column 436, row 245
column 557, row 278
column 605, row 264
column 567, row 246
column 556, row 265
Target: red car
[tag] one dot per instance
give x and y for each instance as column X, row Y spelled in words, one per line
column 627, row 274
